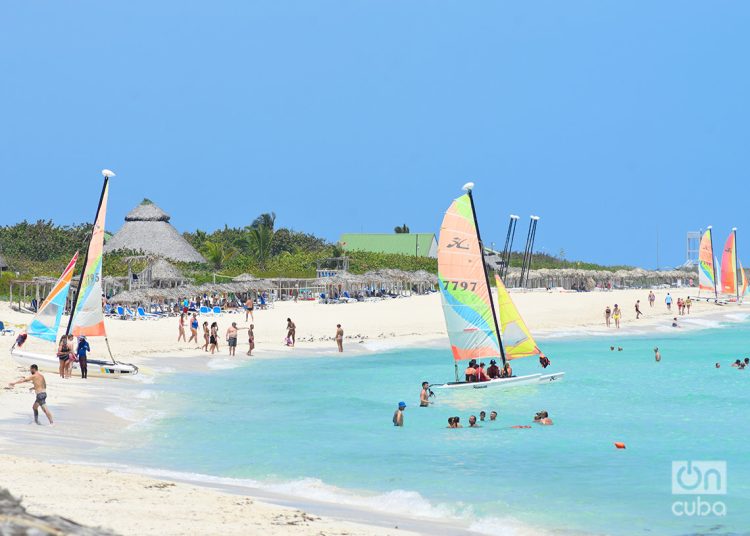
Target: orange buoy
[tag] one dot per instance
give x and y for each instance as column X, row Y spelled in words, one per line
column 620, row 445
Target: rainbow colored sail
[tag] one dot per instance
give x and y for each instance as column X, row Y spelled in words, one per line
column 517, row 339
column 88, row 318
column 466, row 296
column 706, row 267
column 47, row 319
column 729, row 265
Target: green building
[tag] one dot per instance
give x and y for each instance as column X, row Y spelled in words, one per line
column 417, row 244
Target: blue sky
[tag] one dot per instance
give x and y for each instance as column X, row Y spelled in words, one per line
column 611, row 120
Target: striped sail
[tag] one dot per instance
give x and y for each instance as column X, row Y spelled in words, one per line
column 466, row 295
column 89, row 318
column 47, row 319
column 729, row 265
column 706, row 271
column 517, row 339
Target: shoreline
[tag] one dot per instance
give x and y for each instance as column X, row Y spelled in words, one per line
column 74, row 408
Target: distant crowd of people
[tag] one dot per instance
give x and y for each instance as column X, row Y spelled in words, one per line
column 614, row 314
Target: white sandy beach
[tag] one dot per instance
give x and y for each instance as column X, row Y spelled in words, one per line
column 146, row 505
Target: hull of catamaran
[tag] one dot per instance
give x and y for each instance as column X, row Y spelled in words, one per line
column 551, row 378
column 500, row 383
column 96, row 368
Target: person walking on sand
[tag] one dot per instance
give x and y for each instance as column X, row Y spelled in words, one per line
column 398, row 415
column 181, row 333
column 340, row 337
column 291, row 330
column 688, row 303
column 638, row 312
column 249, row 306
column 616, row 313
column 232, row 338
column 40, row 388
column 607, row 315
column 651, row 298
column 250, row 339
column 206, row 336
column 668, row 301
column 194, row 328
column 83, row 349
column 63, row 351
column 213, row 338
column 657, row 354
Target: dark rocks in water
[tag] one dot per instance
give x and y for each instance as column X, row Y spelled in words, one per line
column 14, row 521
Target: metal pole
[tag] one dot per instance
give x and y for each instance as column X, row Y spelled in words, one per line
column 508, row 248
column 486, row 275
column 525, row 254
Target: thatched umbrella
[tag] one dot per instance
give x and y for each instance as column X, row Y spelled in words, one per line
column 147, row 229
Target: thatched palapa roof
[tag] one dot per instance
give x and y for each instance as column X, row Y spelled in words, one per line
column 147, row 229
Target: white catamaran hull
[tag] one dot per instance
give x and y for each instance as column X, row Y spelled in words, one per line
column 96, row 367
column 553, row 377
column 500, row 383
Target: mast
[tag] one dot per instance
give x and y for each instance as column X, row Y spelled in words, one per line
column 86, row 258
column 468, row 187
column 736, row 266
column 713, row 264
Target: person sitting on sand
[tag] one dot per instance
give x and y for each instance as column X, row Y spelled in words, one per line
column 473, row 422
column 481, row 374
column 471, row 373
column 493, row 371
column 507, row 371
column 493, row 415
column 542, row 418
column 544, row 360
column 398, row 415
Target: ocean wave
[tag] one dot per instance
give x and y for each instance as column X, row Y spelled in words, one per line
column 223, row 364
column 403, row 503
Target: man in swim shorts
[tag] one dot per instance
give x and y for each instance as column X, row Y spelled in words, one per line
column 40, row 388
column 398, row 415
column 232, row 338
column 424, row 396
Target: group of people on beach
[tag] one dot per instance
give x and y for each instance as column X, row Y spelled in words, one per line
column 615, row 314
column 71, row 350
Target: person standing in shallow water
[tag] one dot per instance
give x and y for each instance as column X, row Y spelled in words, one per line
column 398, row 415
column 657, row 354
column 340, row 337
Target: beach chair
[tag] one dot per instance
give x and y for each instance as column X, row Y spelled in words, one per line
column 129, row 313
column 143, row 315
column 121, row 312
column 204, row 311
column 217, row 310
column 6, row 331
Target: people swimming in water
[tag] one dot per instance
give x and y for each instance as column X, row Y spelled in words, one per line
column 473, row 422
column 482, row 415
column 542, row 417
column 493, row 415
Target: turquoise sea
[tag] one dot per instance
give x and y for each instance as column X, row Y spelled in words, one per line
column 321, row 427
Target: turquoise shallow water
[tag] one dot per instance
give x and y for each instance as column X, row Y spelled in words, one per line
column 315, row 425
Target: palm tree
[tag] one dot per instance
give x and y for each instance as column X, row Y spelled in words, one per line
column 267, row 219
column 399, row 229
column 259, row 243
column 217, row 255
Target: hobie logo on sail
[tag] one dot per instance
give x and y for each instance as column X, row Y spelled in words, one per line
column 458, row 243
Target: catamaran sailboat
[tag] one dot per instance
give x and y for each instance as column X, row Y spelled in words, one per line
column 733, row 280
column 87, row 317
column 470, row 318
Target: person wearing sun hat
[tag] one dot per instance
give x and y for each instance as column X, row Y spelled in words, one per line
column 398, row 415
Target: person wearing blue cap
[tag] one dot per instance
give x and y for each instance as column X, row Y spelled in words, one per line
column 398, row 415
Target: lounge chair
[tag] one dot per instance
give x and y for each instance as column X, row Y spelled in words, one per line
column 204, row 311
column 217, row 310
column 143, row 315
column 6, row 331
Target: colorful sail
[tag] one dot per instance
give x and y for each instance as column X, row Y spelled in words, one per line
column 88, row 318
column 729, row 265
column 743, row 280
column 706, row 267
column 47, row 319
column 517, row 339
column 466, row 296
